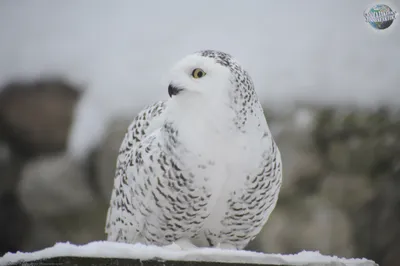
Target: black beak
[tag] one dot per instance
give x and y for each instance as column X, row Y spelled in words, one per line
column 172, row 90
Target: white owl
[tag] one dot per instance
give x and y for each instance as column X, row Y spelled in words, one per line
column 200, row 169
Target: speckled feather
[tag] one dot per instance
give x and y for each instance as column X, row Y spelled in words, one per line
column 166, row 190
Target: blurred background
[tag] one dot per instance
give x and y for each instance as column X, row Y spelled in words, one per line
column 73, row 74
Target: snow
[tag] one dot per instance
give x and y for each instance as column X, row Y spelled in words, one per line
column 321, row 51
column 106, row 249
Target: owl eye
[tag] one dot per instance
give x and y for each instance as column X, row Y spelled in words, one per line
column 198, row 73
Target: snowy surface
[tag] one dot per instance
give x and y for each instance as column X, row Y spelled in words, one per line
column 321, row 51
column 105, row 249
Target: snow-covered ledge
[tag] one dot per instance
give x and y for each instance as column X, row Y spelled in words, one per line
column 108, row 253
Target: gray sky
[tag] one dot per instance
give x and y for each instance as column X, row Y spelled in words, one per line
column 295, row 50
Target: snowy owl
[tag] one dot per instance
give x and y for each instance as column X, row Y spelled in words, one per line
column 201, row 168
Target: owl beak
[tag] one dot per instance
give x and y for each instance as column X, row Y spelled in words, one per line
column 172, row 90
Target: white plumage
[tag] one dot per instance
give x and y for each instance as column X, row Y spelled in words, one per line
column 200, row 168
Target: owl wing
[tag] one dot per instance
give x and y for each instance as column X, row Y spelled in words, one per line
column 123, row 214
column 256, row 202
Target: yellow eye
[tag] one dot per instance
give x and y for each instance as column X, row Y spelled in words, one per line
column 198, row 73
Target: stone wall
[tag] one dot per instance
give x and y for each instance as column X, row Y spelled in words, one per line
column 340, row 193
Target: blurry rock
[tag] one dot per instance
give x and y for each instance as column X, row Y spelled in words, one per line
column 302, row 166
column 42, row 235
column 80, row 227
column 356, row 141
column 364, row 143
column 105, row 157
column 83, row 226
column 10, row 165
column 348, row 192
column 377, row 226
column 302, row 173
column 392, row 256
column 14, row 223
column 309, row 223
column 297, row 124
column 52, row 186
column 35, row 117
